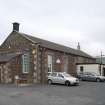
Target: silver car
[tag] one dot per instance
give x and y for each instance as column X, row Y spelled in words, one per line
column 90, row 76
column 62, row 78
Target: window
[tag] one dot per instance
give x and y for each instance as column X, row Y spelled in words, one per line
column 25, row 63
column 60, row 75
column 81, row 69
column 49, row 63
column 54, row 74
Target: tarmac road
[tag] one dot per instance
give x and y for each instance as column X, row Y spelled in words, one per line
column 87, row 93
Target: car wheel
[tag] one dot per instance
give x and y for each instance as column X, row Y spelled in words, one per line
column 98, row 80
column 67, row 83
column 49, row 82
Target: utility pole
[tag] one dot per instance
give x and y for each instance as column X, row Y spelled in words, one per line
column 101, row 58
column 101, row 62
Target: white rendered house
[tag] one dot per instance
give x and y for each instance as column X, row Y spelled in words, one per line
column 97, row 68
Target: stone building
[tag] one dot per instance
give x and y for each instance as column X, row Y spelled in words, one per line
column 9, row 65
column 37, row 57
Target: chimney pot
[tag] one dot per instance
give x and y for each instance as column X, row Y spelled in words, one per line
column 78, row 46
column 16, row 26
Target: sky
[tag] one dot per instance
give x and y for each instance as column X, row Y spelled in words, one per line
column 65, row 22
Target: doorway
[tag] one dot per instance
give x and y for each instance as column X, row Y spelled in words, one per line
column 103, row 71
column 66, row 64
column 0, row 75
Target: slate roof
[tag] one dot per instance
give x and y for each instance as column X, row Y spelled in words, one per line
column 5, row 57
column 54, row 46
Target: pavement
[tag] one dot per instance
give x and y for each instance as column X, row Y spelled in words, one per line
column 87, row 93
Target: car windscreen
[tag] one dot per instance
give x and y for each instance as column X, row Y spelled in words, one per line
column 53, row 74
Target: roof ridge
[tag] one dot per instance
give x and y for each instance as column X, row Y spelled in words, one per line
column 45, row 40
column 55, row 46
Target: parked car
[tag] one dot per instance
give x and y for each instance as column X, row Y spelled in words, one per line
column 62, row 78
column 88, row 76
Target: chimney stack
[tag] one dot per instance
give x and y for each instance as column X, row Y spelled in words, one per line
column 78, row 47
column 16, row 26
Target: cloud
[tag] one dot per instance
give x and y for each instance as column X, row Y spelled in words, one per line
column 63, row 21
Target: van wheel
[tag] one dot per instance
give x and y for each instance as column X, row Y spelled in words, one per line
column 98, row 80
column 67, row 83
column 49, row 82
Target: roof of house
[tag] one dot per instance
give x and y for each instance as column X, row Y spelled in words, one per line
column 100, row 60
column 55, row 46
column 88, row 63
column 5, row 57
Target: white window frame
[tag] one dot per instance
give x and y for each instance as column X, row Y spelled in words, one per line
column 25, row 63
column 50, row 61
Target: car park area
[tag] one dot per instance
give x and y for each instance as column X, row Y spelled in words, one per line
column 87, row 93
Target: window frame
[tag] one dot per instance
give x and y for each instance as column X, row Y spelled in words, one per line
column 81, row 69
column 25, row 63
column 50, row 63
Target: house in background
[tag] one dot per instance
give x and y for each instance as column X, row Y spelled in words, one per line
column 100, row 60
column 96, row 68
column 37, row 57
